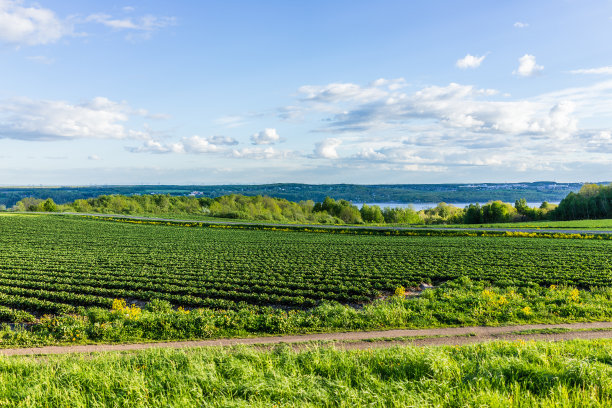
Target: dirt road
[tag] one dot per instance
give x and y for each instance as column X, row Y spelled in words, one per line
column 360, row 340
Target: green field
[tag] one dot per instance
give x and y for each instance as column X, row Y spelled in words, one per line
column 604, row 224
column 576, row 374
column 49, row 263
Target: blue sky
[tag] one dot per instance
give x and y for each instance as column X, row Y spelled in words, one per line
column 198, row 92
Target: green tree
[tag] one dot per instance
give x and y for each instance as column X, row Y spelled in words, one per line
column 372, row 214
column 473, row 214
column 497, row 211
column 48, row 206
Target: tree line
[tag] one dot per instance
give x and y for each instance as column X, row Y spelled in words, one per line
column 591, row 202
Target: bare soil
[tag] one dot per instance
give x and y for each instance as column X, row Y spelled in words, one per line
column 358, row 340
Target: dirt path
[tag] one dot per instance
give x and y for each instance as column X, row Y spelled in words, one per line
column 349, row 340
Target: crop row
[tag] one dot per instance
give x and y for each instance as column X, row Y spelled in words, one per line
column 81, row 262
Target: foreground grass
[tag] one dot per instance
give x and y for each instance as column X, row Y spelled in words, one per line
column 501, row 374
column 457, row 303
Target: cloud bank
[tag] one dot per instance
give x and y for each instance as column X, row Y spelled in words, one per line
column 99, row 118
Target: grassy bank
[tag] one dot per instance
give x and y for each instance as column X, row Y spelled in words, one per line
column 518, row 374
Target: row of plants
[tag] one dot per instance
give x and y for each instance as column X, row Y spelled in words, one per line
column 49, row 262
column 457, row 303
column 387, row 231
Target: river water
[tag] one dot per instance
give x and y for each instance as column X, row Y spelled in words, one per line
column 423, row 206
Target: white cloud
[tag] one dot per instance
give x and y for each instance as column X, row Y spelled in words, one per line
column 528, row 67
column 370, row 154
column 560, row 121
column 441, row 128
column 470, row 61
column 597, row 71
column 261, row 153
column 326, row 149
column 187, row 145
column 197, row 144
column 21, row 25
column 100, row 118
column 222, row 140
column 423, row 168
column 153, row 146
column 391, row 84
column 456, row 106
column 520, row 24
column 265, row 137
column 94, row 157
column 337, row 92
column 144, row 23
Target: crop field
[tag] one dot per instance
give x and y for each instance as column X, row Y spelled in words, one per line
column 51, row 264
column 603, row 224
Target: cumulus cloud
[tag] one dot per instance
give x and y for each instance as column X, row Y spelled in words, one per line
column 191, row 145
column 197, row 144
column 326, row 149
column 28, row 25
column 594, row 71
column 266, row 137
column 528, row 66
column 456, row 126
column 520, row 24
column 460, row 107
column 99, row 118
column 34, row 25
column 470, row 61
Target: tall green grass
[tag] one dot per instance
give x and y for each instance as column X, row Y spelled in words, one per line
column 577, row 373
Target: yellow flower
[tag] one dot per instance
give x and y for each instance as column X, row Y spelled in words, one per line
column 574, row 295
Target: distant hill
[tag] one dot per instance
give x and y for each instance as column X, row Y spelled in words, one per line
column 377, row 193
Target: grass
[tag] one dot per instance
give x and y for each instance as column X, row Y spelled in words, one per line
column 574, row 224
column 499, row 374
column 558, row 330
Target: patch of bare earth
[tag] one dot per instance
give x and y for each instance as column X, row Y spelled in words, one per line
column 359, row 340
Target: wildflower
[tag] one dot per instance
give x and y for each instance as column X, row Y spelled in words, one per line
column 574, row 295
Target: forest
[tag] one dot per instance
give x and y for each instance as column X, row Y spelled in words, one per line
column 381, row 193
column 592, row 201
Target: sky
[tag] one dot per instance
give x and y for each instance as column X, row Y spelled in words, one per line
column 318, row 91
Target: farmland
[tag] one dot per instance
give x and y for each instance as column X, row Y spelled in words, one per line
column 52, row 265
